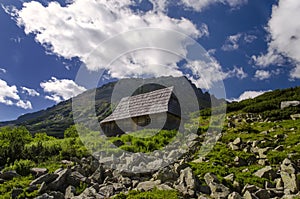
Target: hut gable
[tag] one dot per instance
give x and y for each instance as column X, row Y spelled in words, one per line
column 150, row 103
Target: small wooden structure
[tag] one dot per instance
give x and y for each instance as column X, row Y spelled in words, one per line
column 157, row 109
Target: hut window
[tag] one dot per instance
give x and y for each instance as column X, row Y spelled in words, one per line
column 143, row 120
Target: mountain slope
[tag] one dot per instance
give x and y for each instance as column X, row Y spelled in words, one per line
column 56, row 119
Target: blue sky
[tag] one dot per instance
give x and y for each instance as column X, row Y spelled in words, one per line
column 254, row 46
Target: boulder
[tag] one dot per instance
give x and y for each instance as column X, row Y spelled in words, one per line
column 217, row 190
column 166, row 174
column 234, row 195
column 262, row 194
column 37, row 172
column 248, row 195
column 295, row 116
column 47, row 178
column 290, row 182
column 285, row 104
column 186, row 182
column 70, row 192
column 60, row 182
column 89, row 193
column 147, row 185
column 288, row 166
column 266, row 172
column 45, row 196
column 8, row 175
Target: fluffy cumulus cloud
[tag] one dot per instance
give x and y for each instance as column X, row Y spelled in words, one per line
column 233, row 41
column 29, row 91
column 61, row 89
column 284, row 36
column 238, row 72
column 248, row 95
column 78, row 29
column 2, row 70
column 262, row 74
column 199, row 5
column 9, row 96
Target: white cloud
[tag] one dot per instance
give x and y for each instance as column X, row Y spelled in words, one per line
column 283, row 28
column 248, row 95
column 77, row 30
column 199, row 5
column 205, row 74
column 2, row 70
column 231, row 42
column 9, row 96
column 249, row 38
column 238, row 72
column 24, row 104
column 262, row 74
column 29, row 91
column 62, row 89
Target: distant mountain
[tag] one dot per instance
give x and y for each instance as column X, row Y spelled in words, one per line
column 56, row 119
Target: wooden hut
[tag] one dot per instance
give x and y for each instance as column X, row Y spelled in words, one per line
column 157, row 109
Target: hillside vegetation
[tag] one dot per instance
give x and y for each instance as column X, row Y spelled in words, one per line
column 258, row 155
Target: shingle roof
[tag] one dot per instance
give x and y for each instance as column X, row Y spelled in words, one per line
column 143, row 104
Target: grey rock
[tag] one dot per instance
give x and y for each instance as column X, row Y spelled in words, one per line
column 262, row 153
column 147, row 185
column 38, row 171
column 237, row 142
column 209, row 177
column 57, row 195
column 166, row 174
column 229, row 177
column 218, row 190
column 285, row 104
column 288, row 166
column 279, row 148
column 49, row 177
column 60, row 182
column 75, row 178
column 234, row 195
column 248, row 195
column 186, row 182
column 290, row 182
column 70, row 192
column 295, row 116
column 8, row 175
column 250, row 188
column 239, row 161
column 90, row 193
column 262, row 194
column 107, row 190
column 266, row 172
column 44, row 196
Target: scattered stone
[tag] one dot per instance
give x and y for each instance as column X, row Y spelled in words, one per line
column 248, row 195
column 288, row 166
column 250, row 188
column 186, row 183
column 70, row 192
column 262, row 194
column 266, row 172
column 285, row 104
column 37, row 172
column 47, row 178
column 279, row 148
column 234, row 195
column 8, row 175
column 230, row 177
column 290, row 182
column 295, row 116
column 147, row 186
